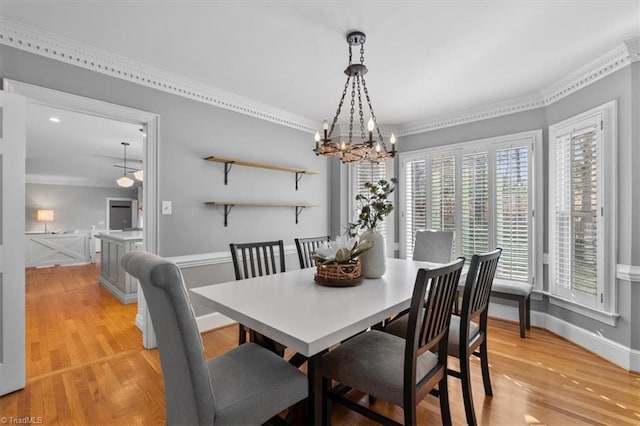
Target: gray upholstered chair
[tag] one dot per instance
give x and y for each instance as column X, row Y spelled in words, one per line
column 305, row 247
column 247, row 385
column 466, row 336
column 394, row 369
column 433, row 246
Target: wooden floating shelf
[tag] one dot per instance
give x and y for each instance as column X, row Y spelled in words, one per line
column 228, row 162
column 228, row 205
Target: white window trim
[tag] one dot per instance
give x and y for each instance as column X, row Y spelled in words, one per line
column 608, row 318
column 491, row 144
column 389, row 220
column 607, row 312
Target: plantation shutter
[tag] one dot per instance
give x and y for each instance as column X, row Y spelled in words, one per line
column 370, row 172
column 443, row 193
column 475, row 203
column 415, row 187
column 563, row 238
column 576, row 211
column 512, row 212
column 584, row 197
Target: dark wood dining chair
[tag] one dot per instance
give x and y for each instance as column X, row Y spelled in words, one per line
column 466, row 336
column 306, row 247
column 247, row 385
column 255, row 260
column 394, row 369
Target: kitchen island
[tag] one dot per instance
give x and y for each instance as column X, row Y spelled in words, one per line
column 114, row 244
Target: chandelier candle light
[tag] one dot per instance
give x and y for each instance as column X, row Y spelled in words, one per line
column 372, row 150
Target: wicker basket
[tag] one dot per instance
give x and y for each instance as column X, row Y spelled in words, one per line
column 339, row 274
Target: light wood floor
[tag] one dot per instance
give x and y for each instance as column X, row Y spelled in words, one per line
column 86, row 366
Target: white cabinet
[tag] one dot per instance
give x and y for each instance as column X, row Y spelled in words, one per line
column 112, row 275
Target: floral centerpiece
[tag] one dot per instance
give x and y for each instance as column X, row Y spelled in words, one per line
column 337, row 262
column 374, row 206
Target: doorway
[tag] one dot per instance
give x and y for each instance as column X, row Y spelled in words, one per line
column 148, row 123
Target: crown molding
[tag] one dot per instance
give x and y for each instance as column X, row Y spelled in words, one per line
column 24, row 37
column 523, row 103
column 605, row 65
column 633, row 47
column 34, row 40
column 588, row 74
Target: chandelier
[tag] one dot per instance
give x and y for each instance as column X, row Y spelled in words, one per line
column 367, row 148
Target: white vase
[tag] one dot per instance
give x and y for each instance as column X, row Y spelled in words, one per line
column 374, row 260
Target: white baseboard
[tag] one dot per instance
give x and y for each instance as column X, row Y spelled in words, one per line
column 212, row 321
column 139, row 321
column 621, row 355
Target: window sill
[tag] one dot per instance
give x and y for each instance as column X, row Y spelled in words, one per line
column 608, row 318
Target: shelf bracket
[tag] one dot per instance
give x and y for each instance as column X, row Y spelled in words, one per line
column 298, row 211
column 298, row 177
column 227, row 169
column 227, row 210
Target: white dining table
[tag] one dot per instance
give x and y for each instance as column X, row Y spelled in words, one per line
column 294, row 310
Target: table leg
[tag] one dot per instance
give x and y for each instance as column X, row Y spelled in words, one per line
column 315, row 392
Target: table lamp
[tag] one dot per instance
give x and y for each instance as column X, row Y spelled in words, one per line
column 44, row 216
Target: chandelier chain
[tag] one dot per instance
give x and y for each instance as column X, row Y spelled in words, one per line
column 353, row 100
column 362, row 52
column 335, row 119
column 361, row 113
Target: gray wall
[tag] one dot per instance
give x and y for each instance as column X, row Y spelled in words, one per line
column 75, row 207
column 623, row 86
column 189, row 131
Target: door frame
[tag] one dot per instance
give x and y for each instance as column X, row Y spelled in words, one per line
column 151, row 125
column 12, row 244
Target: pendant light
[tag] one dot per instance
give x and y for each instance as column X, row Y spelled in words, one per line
column 125, row 181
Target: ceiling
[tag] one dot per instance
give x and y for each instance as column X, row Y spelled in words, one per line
column 80, row 149
column 425, row 58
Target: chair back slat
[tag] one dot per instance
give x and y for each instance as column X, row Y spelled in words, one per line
column 257, row 259
column 430, row 311
column 306, row 247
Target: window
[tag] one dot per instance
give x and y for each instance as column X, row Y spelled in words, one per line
column 484, row 192
column 581, row 178
column 371, row 172
column 415, row 214
column 475, row 203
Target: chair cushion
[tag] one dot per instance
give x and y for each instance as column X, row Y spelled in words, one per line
column 520, row 289
column 454, row 335
column 252, row 384
column 373, row 362
column 398, row 326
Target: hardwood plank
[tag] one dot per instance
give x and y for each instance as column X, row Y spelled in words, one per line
column 86, row 365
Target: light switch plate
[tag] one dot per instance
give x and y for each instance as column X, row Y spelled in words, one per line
column 166, row 207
